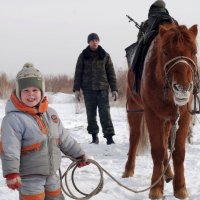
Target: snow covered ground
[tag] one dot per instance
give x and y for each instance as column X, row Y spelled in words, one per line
column 112, row 157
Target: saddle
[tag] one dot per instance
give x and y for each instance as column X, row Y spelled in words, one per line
column 136, row 52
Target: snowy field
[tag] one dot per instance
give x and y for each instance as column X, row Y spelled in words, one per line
column 113, row 157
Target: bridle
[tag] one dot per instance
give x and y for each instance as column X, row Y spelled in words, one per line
column 176, row 60
column 179, row 59
column 189, row 62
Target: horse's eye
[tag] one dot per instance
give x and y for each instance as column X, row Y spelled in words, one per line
column 194, row 53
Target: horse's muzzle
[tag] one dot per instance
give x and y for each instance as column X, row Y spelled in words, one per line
column 181, row 94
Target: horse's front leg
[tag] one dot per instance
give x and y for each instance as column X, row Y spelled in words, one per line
column 180, row 190
column 167, row 142
column 157, row 140
column 134, row 120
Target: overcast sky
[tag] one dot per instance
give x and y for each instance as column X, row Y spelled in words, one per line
column 52, row 33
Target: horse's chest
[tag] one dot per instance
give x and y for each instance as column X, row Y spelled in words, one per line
column 154, row 99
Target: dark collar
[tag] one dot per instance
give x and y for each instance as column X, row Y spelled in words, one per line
column 87, row 52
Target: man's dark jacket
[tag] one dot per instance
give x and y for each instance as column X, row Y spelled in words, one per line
column 94, row 71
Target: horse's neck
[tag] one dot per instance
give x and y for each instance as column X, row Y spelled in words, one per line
column 152, row 61
column 150, row 51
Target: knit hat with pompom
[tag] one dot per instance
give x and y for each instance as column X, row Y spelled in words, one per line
column 159, row 4
column 29, row 76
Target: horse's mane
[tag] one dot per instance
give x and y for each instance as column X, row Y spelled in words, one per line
column 176, row 35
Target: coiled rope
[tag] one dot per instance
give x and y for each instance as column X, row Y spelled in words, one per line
column 99, row 187
column 73, row 166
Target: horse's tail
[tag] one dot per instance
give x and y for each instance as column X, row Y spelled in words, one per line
column 144, row 144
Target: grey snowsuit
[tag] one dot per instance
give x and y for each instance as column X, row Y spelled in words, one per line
column 34, row 155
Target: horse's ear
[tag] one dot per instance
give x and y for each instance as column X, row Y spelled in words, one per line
column 162, row 30
column 193, row 30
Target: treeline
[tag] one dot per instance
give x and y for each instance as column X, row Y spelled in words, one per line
column 57, row 83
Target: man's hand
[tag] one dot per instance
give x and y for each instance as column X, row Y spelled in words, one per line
column 115, row 95
column 78, row 95
column 13, row 181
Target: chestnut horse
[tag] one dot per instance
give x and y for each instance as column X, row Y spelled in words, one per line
column 168, row 78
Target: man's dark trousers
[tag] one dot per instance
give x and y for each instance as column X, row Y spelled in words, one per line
column 100, row 99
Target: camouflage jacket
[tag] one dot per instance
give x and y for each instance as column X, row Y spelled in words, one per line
column 94, row 71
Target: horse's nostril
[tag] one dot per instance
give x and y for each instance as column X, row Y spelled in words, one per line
column 179, row 88
column 176, row 87
column 190, row 87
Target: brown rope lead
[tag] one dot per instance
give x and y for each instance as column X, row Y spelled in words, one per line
column 99, row 187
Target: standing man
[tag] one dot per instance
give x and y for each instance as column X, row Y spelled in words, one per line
column 94, row 74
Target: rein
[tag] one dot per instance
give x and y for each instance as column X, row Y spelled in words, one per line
column 196, row 101
column 133, row 110
column 196, row 97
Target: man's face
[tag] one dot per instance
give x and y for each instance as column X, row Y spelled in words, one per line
column 94, row 44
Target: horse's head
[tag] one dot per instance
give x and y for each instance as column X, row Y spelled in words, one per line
column 177, row 46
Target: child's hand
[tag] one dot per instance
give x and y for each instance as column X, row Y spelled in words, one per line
column 83, row 164
column 84, row 161
column 13, row 181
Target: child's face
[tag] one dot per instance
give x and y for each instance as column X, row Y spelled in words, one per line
column 31, row 96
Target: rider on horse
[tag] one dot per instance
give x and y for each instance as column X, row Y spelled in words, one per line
column 157, row 15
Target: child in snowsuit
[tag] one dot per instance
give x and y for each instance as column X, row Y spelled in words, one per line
column 32, row 139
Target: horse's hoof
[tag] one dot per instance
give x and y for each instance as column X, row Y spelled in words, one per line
column 155, row 193
column 168, row 178
column 127, row 174
column 169, row 175
column 181, row 194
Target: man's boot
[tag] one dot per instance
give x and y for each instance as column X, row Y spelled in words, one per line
column 95, row 139
column 110, row 140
